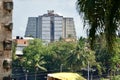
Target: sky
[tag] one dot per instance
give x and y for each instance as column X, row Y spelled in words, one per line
column 33, row 8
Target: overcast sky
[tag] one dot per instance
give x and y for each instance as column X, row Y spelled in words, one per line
column 33, row 8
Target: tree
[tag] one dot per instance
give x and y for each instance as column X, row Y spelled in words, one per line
column 80, row 56
column 101, row 16
column 109, row 62
column 116, row 56
column 33, row 55
column 57, row 53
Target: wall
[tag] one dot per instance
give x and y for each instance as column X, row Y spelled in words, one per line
column 6, row 25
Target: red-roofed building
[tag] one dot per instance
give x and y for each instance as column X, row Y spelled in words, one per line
column 21, row 43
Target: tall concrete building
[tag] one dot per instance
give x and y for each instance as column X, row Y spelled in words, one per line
column 68, row 28
column 32, row 27
column 50, row 27
column 6, row 7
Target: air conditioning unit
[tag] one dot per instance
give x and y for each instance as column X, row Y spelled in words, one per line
column 8, row 6
column 7, row 45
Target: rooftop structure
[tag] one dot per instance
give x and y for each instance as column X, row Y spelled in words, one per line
column 21, row 43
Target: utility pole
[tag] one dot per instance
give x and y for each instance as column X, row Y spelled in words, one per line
column 88, row 70
column 36, row 69
column 61, row 66
column 26, row 75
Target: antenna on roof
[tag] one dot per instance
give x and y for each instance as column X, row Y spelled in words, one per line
column 50, row 11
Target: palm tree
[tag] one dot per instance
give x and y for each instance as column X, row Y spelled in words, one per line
column 100, row 16
column 80, row 56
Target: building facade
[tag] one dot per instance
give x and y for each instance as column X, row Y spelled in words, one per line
column 6, row 7
column 31, row 30
column 21, row 43
column 69, row 28
column 50, row 27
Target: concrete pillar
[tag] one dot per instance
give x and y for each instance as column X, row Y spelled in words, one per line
column 6, row 7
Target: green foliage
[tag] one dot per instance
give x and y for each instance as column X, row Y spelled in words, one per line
column 33, row 55
column 57, row 53
column 116, row 77
column 113, row 78
column 80, row 56
column 100, row 16
column 103, row 79
column 14, row 50
column 109, row 61
column 69, row 55
column 115, row 59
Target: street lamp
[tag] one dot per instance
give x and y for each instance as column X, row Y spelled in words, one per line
column 88, row 70
column 36, row 69
column 109, row 73
column 92, row 71
column 61, row 67
column 26, row 75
